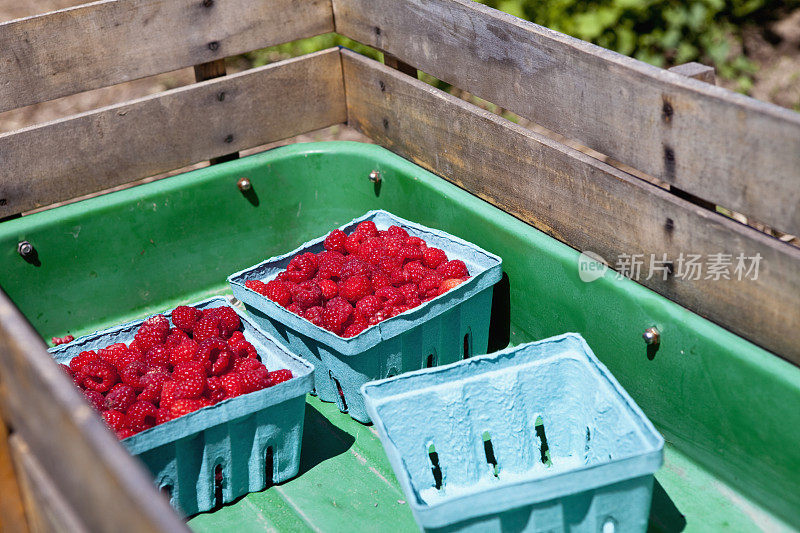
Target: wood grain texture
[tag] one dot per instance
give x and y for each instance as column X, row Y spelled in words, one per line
column 209, row 71
column 12, row 510
column 579, row 200
column 46, row 508
column 97, row 478
column 721, row 146
column 97, row 150
column 112, row 41
column 697, row 71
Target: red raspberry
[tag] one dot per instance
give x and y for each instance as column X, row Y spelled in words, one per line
column 228, row 319
column 215, row 355
column 410, row 253
column 433, row 257
column 233, row 385
column 410, row 291
column 379, row 316
column 301, row 267
column 175, row 337
column 114, row 419
column 153, row 382
column 354, row 329
column 294, row 308
column 353, row 242
column 371, row 250
column 190, row 387
column 279, row 292
column 448, row 284
column 379, row 279
column 183, row 407
column 77, row 362
column 354, row 267
column 255, row 379
column 167, row 393
column 330, row 265
column 393, row 246
column 355, row 287
column 397, row 231
column 328, row 287
column 140, row 416
column 206, row 328
column 124, row 433
column 185, row 317
column 415, row 272
column 453, row 269
column 163, row 415
column 236, row 336
column 62, row 340
column 186, row 351
column 240, row 365
column 187, row 369
column 279, row 376
column 369, row 305
column 416, row 241
column 120, row 397
column 243, row 349
column 335, row 241
column 214, row 389
column 258, row 286
column 153, row 331
column 110, row 353
column 99, row 376
column 132, row 375
column 336, row 313
column 430, row 285
column 367, row 228
column 95, row 399
column 316, row 315
column 399, row 309
column 307, row 294
column 159, row 354
column 390, row 296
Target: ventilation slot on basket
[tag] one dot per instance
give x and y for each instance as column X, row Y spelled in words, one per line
column 544, row 449
column 218, row 484
column 343, row 406
column 467, row 351
column 588, row 446
column 488, row 449
column 166, row 490
column 392, row 373
column 430, row 361
column 435, row 468
column 269, row 465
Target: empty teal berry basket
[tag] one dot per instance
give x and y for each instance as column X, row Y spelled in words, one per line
column 536, row 438
column 250, row 440
column 448, row 328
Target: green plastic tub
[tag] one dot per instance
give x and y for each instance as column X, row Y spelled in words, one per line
column 728, row 410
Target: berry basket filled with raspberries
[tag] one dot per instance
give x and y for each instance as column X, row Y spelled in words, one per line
column 200, row 394
column 377, row 297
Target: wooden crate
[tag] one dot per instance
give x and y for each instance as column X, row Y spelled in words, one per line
column 712, row 146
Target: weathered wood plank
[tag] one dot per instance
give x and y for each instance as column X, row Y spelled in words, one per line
column 209, row 71
column 46, row 508
column 12, row 511
column 697, row 71
column 112, row 41
column 69, row 440
column 580, row 200
column 96, row 150
column 721, row 146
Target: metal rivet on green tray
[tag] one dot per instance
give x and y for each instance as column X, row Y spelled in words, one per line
column 375, row 176
column 652, row 336
column 244, row 184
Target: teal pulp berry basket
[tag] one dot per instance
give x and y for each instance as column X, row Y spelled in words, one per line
column 251, row 440
column 448, row 328
column 536, row 438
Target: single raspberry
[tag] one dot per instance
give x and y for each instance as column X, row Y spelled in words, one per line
column 416, row 241
column 354, row 329
column 236, row 336
column 167, row 393
column 335, row 241
column 185, row 317
column 369, row 305
column 415, row 272
column 175, row 337
column 188, row 369
column 243, row 349
column 153, row 382
column 393, row 246
column 294, row 308
column 228, row 319
column 153, row 331
column 215, row 355
column 77, row 362
column 390, row 296
column 330, row 265
column 354, row 267
column 316, row 315
column 62, row 340
column 140, row 416
column 279, row 376
column 114, row 419
column 134, row 347
column 433, row 257
column 397, row 231
column 124, row 433
column 233, row 385
column 258, row 286
column 410, row 253
column 355, row 287
column 125, row 357
column 133, row 373
column 379, row 316
column 120, row 397
column 112, row 352
column 409, row 291
column 183, row 407
column 453, row 269
column 190, row 387
column 301, row 267
column 214, row 389
column 430, row 285
column 99, row 376
column 353, row 242
column 394, row 311
column 279, row 292
column 163, row 415
column 379, row 280
column 159, row 354
column 336, row 313
column 371, row 250
column 367, row 228
column 414, row 302
column 255, row 379
column 240, row 365
column 205, row 402
column 328, row 287
column 307, row 294
column 95, row 399
column 448, row 284
column 206, row 328
column 186, row 351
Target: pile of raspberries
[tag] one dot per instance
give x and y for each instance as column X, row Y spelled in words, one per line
column 362, row 278
column 168, row 372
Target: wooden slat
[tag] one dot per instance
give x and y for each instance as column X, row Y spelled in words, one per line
column 209, row 71
column 721, row 146
column 114, row 145
column 96, row 477
column 112, row 41
column 579, row 200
